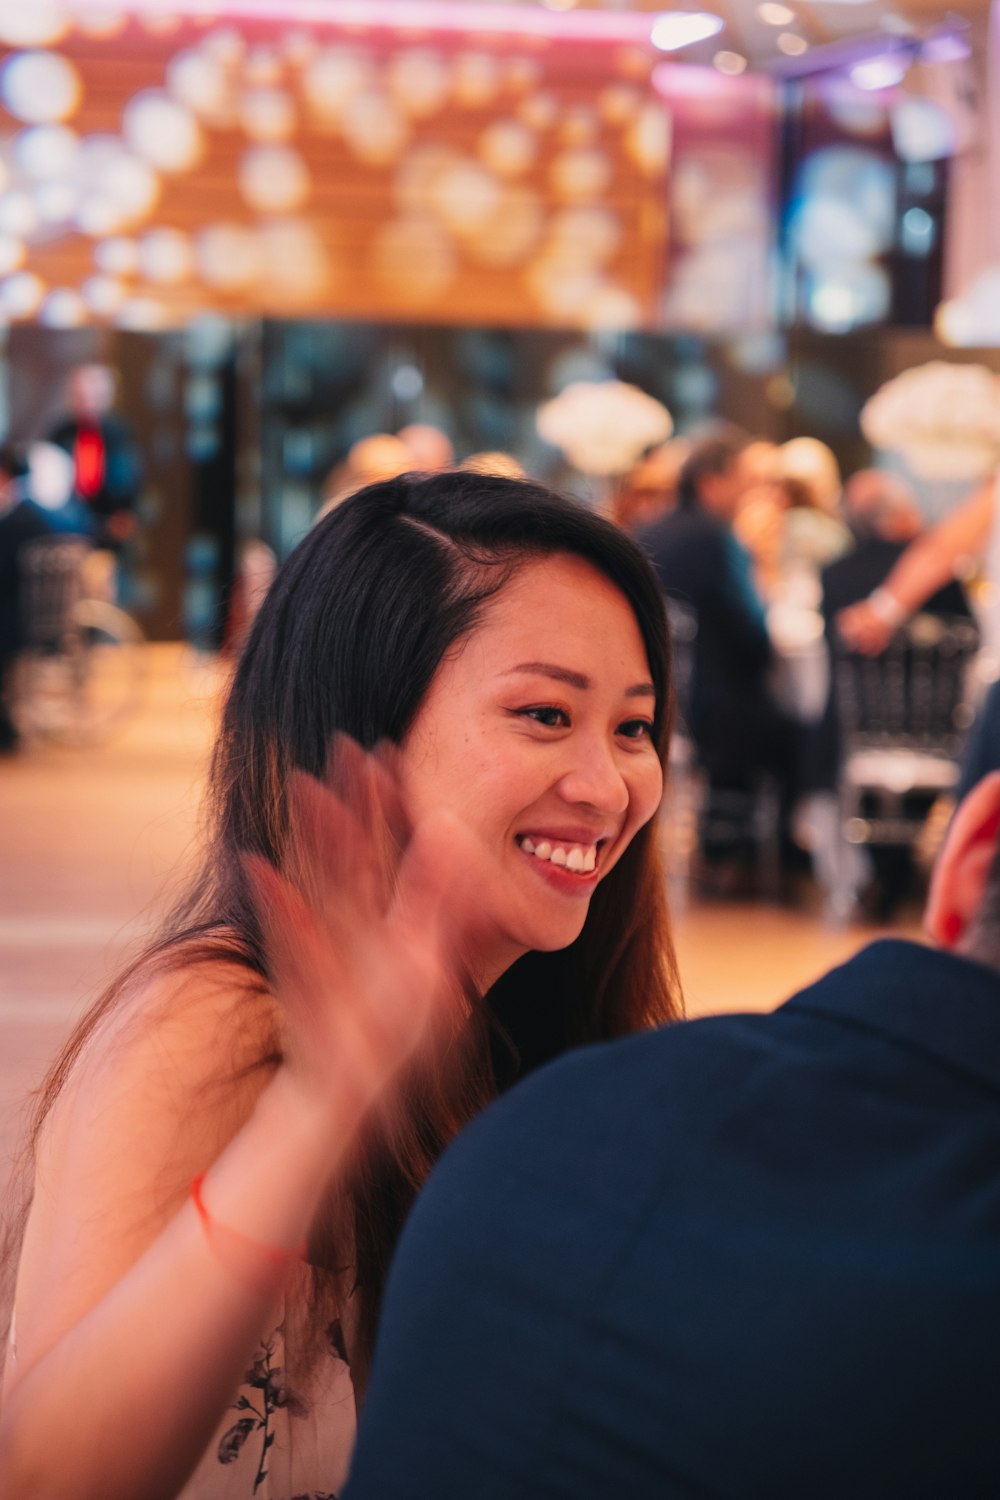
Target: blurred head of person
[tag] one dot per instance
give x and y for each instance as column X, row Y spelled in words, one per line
column 810, row 475
column 370, row 460
column 429, row 448
column 879, row 506
column 504, row 465
column 712, row 476
column 649, row 489
column 90, row 392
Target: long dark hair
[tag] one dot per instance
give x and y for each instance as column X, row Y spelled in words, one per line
column 348, row 639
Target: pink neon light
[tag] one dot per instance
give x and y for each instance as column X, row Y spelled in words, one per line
column 621, row 27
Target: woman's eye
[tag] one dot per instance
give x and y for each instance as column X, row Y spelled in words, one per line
column 552, row 718
column 636, row 729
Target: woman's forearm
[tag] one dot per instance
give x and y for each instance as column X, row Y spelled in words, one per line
column 933, row 559
column 122, row 1406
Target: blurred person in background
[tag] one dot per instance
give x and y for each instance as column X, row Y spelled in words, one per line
column 815, row 532
column 429, row 448
column 969, row 535
column 490, row 462
column 107, row 473
column 739, row 730
column 753, row 1255
column 256, row 566
column 21, row 522
column 882, row 512
column 370, row 460
column 649, row 489
column 214, row 1204
column 759, row 520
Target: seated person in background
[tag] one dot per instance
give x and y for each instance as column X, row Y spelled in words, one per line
column 882, row 513
column 737, row 727
column 884, row 518
column 21, row 522
column 936, row 557
column 748, row 1256
column 815, row 533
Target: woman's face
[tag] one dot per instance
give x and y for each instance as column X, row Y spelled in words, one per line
column 536, row 732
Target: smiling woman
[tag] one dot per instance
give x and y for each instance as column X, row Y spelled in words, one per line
column 494, row 862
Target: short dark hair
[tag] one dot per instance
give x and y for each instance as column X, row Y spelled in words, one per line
column 712, row 455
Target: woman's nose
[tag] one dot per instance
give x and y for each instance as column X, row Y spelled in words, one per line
column 594, row 778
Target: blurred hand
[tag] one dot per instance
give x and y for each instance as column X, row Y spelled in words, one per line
column 363, row 931
column 863, row 628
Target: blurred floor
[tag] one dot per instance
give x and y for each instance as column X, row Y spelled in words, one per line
column 91, row 843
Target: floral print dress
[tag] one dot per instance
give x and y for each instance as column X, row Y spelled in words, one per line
column 280, row 1442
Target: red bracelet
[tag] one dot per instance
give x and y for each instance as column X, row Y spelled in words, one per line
column 223, row 1235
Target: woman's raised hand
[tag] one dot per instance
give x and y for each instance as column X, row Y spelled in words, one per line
column 362, row 930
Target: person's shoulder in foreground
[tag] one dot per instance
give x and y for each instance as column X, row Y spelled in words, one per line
column 748, row 1256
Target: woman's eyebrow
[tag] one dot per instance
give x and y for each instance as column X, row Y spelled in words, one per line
column 576, row 679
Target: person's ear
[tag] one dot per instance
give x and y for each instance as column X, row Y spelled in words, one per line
column 962, row 867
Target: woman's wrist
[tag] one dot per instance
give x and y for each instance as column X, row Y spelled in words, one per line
column 886, row 607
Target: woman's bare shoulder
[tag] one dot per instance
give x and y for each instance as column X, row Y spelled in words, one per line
column 177, row 1062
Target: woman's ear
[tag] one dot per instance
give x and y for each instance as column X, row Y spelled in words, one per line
column 964, row 863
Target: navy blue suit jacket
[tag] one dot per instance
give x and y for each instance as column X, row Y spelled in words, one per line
column 747, row 1256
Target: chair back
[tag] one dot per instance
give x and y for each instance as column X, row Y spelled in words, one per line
column 915, row 695
column 683, row 623
column 52, row 585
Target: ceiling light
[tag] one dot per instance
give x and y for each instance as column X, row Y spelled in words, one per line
column 732, row 63
column 791, row 44
column 682, row 28
column 882, row 72
column 946, row 47
column 773, row 14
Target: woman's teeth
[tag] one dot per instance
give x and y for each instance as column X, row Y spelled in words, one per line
column 581, row 860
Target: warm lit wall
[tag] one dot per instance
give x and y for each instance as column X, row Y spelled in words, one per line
column 272, row 170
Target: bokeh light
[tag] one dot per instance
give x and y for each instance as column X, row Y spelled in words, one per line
column 103, row 295
column 46, row 151
column 63, row 307
column 18, row 214
column 334, row 79
column 12, row 254
column 580, row 176
column 229, row 257
column 21, row 294
column 165, row 256
column 419, row 81
column 162, row 132
column 267, row 115
column 274, row 179
column 40, row 87
column 475, row 79
column 508, row 147
column 117, row 256
column 375, row 129
column 199, row 81
column 32, row 23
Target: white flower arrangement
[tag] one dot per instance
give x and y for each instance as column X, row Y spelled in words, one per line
column 603, row 426
column 943, row 419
